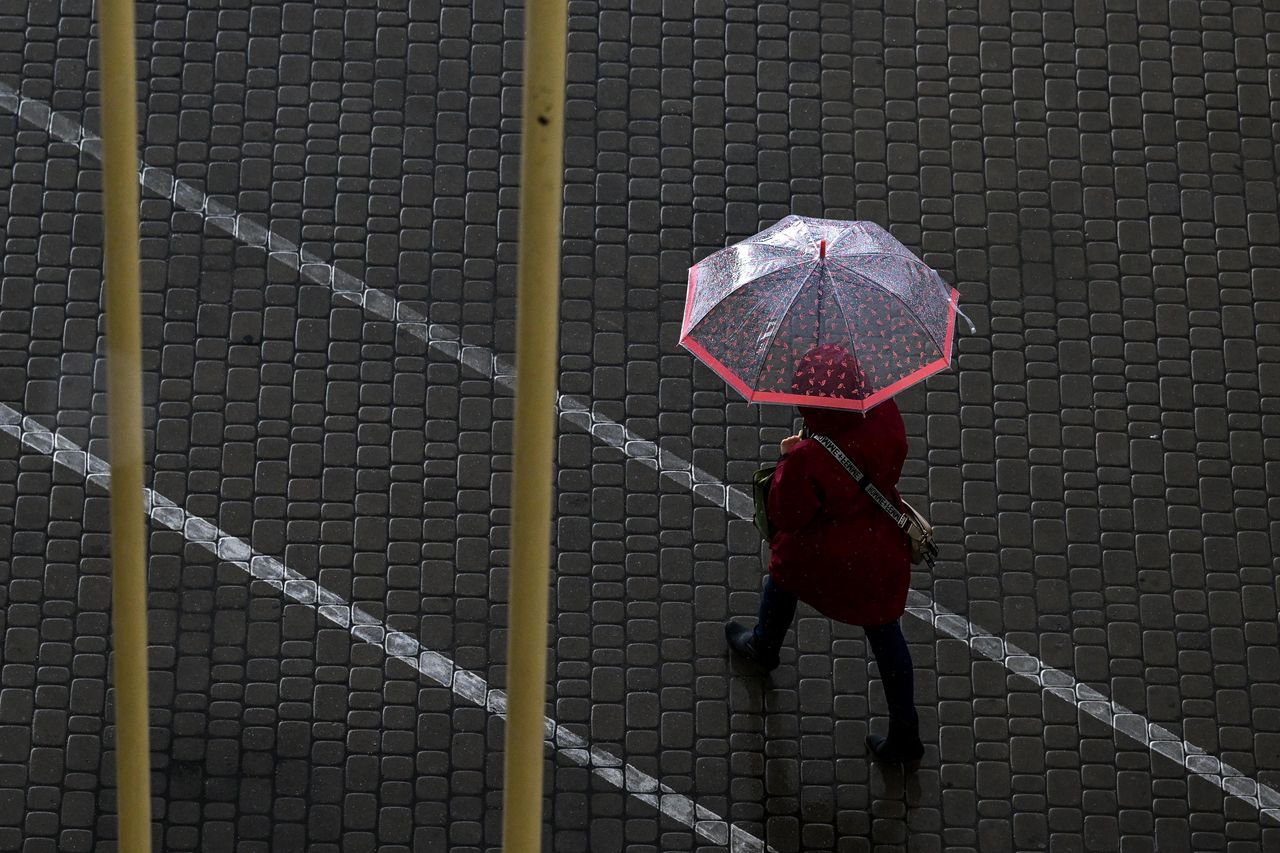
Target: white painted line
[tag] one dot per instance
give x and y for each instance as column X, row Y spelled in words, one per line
column 381, row 304
column 397, row 645
column 1062, row 685
column 580, row 414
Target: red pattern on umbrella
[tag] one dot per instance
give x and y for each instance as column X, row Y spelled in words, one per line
column 830, row 370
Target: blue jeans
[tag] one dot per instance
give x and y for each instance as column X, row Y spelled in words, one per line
column 778, row 609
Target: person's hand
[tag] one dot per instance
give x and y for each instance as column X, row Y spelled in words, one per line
column 789, row 443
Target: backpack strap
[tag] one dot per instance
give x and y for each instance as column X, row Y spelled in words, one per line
column 901, row 519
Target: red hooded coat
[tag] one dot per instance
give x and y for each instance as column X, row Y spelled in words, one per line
column 833, row 547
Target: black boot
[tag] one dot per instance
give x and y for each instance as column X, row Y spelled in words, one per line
column 742, row 643
column 902, row 746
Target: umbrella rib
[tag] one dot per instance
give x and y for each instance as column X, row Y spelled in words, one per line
column 835, row 295
column 835, row 241
column 906, row 255
column 812, row 238
column 914, row 315
column 788, row 265
column 755, row 379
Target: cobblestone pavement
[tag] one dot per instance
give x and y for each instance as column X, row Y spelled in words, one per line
column 1099, row 179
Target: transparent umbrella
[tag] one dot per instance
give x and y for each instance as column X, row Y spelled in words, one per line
column 755, row 309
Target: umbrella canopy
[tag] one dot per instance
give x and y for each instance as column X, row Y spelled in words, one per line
column 755, row 310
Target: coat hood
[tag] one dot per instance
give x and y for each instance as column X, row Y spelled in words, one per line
column 830, row 370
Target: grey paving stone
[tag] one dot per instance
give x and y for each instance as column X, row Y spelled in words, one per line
column 1098, row 465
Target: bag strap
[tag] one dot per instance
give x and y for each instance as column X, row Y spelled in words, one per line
column 899, row 518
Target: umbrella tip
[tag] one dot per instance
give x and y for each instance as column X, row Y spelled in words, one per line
column 822, row 249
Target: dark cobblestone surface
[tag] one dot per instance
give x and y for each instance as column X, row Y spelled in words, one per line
column 1099, row 180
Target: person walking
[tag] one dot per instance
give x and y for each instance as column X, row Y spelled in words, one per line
column 834, row 317
column 833, row 548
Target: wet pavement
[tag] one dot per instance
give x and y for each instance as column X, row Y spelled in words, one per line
column 328, row 220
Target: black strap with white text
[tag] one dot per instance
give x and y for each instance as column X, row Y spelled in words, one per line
column 899, row 518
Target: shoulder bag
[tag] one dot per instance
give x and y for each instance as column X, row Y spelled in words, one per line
column 760, row 482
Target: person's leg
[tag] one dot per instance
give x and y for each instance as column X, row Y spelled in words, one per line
column 894, row 659
column 761, row 645
column 777, row 610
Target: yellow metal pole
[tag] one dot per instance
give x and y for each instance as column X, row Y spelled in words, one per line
column 537, row 339
column 124, row 424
